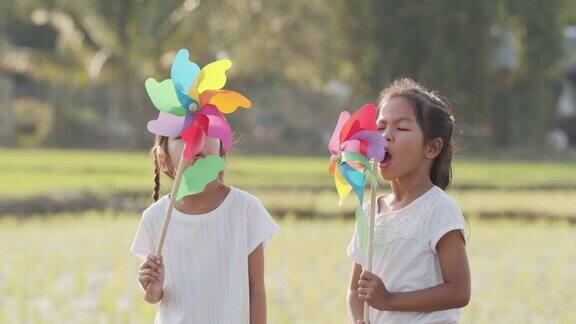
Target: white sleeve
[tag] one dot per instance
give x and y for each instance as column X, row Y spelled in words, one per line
column 445, row 216
column 261, row 226
column 354, row 249
column 143, row 243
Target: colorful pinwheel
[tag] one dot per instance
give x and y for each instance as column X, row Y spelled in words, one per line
column 191, row 103
column 354, row 143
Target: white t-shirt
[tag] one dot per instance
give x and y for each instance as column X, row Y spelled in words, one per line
column 404, row 251
column 206, row 258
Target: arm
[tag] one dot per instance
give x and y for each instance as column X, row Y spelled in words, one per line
column 256, row 284
column 355, row 305
column 453, row 293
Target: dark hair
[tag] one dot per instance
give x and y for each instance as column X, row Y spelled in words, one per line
column 435, row 120
column 162, row 162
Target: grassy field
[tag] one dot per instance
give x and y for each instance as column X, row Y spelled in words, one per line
column 30, row 172
column 289, row 185
column 76, row 268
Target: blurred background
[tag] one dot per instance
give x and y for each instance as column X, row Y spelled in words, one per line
column 75, row 173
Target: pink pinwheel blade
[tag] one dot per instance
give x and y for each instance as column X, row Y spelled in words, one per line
column 334, row 144
column 218, row 126
column 376, row 144
column 356, row 146
column 363, row 119
column 166, row 125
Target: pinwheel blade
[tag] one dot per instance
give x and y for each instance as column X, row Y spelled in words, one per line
column 226, row 101
column 363, row 119
column 198, row 175
column 334, row 144
column 164, row 97
column 166, row 125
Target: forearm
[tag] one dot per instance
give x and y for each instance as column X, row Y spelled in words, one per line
column 441, row 297
column 355, row 305
column 257, row 303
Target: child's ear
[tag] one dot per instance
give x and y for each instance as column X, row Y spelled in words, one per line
column 433, row 148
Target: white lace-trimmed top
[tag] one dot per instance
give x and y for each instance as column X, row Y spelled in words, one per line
column 405, row 255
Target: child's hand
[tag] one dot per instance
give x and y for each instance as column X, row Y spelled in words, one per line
column 151, row 277
column 372, row 289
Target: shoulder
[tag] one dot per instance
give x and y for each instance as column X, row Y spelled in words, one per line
column 156, row 210
column 444, row 203
column 445, row 213
column 244, row 198
column 445, row 216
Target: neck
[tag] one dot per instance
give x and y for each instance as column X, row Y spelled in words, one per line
column 411, row 186
column 203, row 202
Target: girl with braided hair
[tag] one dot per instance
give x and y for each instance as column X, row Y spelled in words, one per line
column 212, row 267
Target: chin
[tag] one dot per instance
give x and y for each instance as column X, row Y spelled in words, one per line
column 387, row 175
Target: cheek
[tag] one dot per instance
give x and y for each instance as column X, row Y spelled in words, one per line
column 212, row 146
column 408, row 145
column 175, row 149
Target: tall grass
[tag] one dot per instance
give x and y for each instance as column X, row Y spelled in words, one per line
column 77, row 269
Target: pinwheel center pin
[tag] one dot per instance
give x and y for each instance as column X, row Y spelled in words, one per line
column 193, row 107
column 335, row 158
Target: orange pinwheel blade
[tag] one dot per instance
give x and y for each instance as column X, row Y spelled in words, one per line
column 225, row 100
column 331, row 168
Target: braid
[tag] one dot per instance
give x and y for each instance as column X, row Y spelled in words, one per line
column 156, row 191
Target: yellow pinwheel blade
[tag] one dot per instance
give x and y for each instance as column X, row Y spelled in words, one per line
column 213, row 75
column 342, row 186
column 226, row 101
column 193, row 91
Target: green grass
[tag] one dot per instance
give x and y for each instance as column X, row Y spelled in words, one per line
column 473, row 202
column 77, row 269
column 32, row 172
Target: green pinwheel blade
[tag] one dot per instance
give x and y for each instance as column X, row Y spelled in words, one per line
column 163, row 96
column 198, row 175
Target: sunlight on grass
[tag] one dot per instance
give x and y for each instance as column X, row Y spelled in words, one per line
column 77, row 269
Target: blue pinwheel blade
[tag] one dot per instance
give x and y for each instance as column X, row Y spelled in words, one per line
column 184, row 73
column 355, row 178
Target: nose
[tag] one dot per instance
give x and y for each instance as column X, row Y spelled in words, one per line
column 387, row 134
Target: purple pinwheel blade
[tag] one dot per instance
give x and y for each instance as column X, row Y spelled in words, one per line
column 166, row 125
column 376, row 144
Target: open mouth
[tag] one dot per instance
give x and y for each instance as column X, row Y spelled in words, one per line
column 386, row 161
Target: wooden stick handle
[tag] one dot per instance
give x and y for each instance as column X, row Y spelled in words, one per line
column 373, row 208
column 168, row 213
